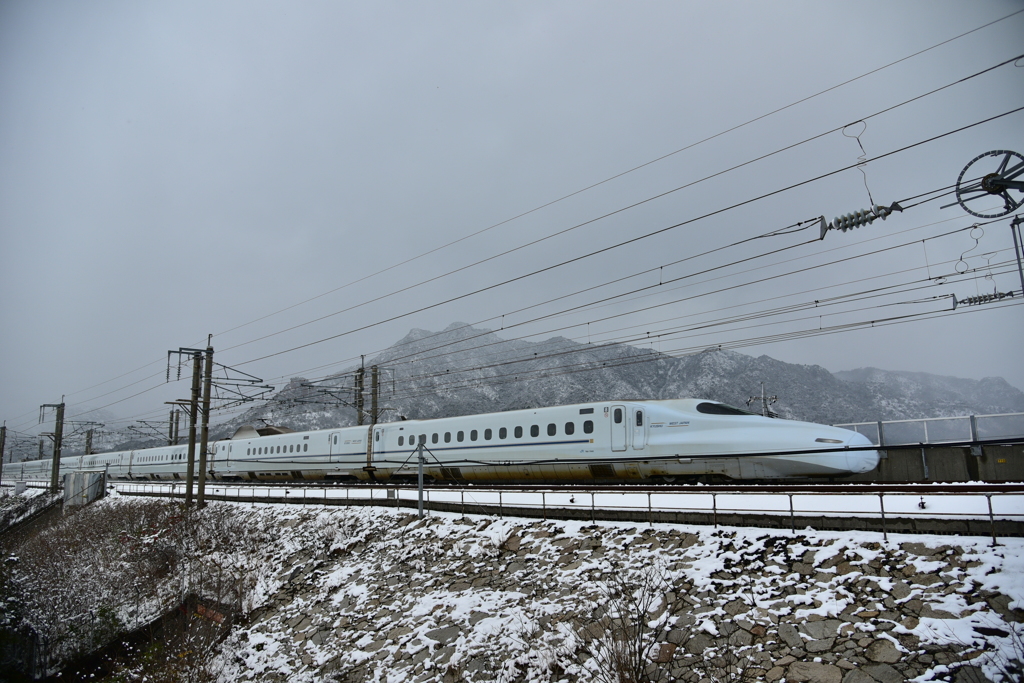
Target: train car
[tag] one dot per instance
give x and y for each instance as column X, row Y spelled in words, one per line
column 601, row 442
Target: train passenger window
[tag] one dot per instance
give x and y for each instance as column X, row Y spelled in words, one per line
column 447, row 437
column 639, row 418
column 401, row 440
column 570, row 428
column 291, row 449
column 534, row 430
column 305, row 446
column 502, row 433
column 278, row 449
column 618, row 416
column 472, row 435
column 460, row 436
column 488, row 434
column 588, row 427
column 519, row 432
column 552, row 429
column 433, row 438
column 423, row 438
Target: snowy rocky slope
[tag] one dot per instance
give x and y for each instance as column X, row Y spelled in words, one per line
column 374, row 594
column 464, row 370
column 387, row 597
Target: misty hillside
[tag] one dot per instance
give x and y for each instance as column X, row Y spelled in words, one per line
column 464, row 370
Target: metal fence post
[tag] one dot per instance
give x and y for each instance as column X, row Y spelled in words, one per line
column 881, row 505
column 714, row 509
column 792, row 520
column 991, row 519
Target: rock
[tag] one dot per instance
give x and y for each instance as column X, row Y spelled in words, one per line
column 884, row 651
column 857, row 676
column 883, row 673
column 741, row 638
column 735, row 607
column 969, row 674
column 698, row 643
column 900, row 590
column 789, row 634
column 816, row 646
column 813, row 672
column 475, row 617
column 821, row 629
column 665, row 652
column 775, row 673
column 444, row 635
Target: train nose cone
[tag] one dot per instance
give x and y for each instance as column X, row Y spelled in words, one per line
column 861, row 461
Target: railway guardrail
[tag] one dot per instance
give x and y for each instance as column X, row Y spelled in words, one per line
column 941, row 430
column 962, row 509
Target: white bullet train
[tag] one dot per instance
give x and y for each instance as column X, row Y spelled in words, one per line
column 612, row 441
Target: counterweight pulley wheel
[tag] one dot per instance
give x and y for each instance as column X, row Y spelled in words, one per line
column 995, row 175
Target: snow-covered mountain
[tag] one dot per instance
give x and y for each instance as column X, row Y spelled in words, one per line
column 464, row 370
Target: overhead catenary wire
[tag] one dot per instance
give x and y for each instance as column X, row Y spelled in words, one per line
column 121, row 389
column 635, row 168
column 626, row 208
column 625, row 242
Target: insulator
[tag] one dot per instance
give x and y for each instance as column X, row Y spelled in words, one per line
column 863, row 217
column 984, row 298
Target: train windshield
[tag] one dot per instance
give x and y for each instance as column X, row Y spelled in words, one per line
column 720, row 409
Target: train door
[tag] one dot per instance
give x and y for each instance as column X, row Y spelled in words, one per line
column 639, row 427
column 619, row 427
column 335, row 446
column 377, row 445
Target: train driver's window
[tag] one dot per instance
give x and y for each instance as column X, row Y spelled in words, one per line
column 447, row 437
column 639, row 418
column 552, row 429
column 570, row 428
column 618, row 416
column 534, row 430
column 502, row 433
column 588, row 427
column 519, row 432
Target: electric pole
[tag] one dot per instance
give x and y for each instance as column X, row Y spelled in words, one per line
column 3, row 444
column 173, row 426
column 360, row 381
column 88, row 442
column 207, row 381
column 374, row 393
column 58, row 437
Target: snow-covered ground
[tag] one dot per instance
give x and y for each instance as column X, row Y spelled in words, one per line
column 375, row 594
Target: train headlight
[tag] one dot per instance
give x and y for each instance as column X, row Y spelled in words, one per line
column 828, row 440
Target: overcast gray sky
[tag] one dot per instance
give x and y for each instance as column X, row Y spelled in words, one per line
column 172, row 170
